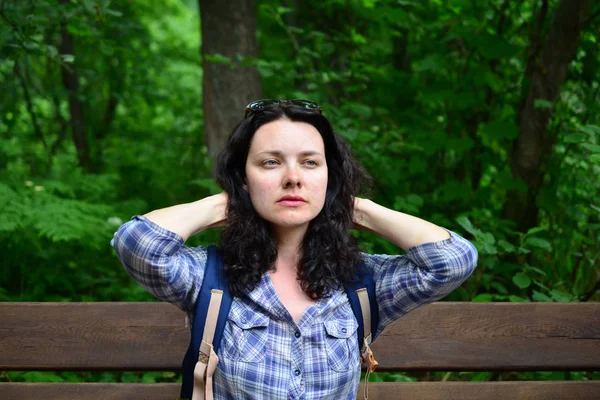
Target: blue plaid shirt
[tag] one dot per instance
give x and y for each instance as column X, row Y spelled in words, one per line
column 264, row 353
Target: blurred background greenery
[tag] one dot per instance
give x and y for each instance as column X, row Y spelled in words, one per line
column 479, row 116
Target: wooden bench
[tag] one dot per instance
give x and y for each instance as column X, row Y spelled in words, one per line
column 439, row 337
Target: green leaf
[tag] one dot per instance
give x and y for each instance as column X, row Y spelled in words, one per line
column 150, row 377
column 487, row 242
column 487, row 248
column 114, row 13
column 42, row 377
column 591, row 130
column 369, row 3
column 466, row 224
column 594, row 148
column 130, row 377
column 375, row 378
column 518, row 299
column 507, row 247
column 284, row 10
column 52, row 51
column 523, row 250
column 68, row 58
column 535, row 269
column 535, row 230
column 70, row 376
column 488, row 238
column 522, row 280
column 561, row 297
column 433, row 62
column 541, row 286
column 483, row 298
column 481, row 377
column 358, row 109
column 537, row 296
column 595, row 157
column 592, row 226
column 415, row 199
column 539, row 243
column 575, row 138
column 357, row 37
column 499, row 287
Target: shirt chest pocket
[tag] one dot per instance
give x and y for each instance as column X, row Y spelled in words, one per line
column 245, row 337
column 341, row 344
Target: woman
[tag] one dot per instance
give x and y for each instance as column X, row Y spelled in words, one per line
column 288, row 206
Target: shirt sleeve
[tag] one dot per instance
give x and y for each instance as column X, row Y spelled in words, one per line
column 157, row 260
column 426, row 273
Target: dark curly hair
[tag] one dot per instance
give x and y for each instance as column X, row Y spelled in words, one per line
column 330, row 254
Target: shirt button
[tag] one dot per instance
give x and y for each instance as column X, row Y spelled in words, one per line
column 297, row 372
column 344, row 330
column 297, row 334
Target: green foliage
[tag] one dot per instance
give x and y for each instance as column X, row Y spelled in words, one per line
column 427, row 93
column 58, row 217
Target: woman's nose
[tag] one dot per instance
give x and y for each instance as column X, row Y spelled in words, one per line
column 292, row 178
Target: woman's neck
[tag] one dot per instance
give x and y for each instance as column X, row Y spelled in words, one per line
column 289, row 246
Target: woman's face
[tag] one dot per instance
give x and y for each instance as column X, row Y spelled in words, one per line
column 286, row 173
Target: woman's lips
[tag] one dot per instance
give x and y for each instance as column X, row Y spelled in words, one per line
column 291, row 203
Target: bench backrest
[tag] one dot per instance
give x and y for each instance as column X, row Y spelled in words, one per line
column 443, row 336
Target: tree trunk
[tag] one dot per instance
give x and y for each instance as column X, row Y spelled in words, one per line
column 69, row 78
column 229, row 29
column 548, row 72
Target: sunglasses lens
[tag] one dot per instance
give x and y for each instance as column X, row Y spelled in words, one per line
column 259, row 105
column 311, row 105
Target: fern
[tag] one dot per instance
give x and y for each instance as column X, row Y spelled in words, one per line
column 14, row 209
column 42, row 209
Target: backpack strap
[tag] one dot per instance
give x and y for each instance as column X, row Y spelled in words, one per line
column 210, row 316
column 361, row 294
column 363, row 301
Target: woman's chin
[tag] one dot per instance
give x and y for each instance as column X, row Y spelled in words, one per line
column 290, row 223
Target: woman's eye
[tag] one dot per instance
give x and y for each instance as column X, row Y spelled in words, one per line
column 311, row 163
column 270, row 163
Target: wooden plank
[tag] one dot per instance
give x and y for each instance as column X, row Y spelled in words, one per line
column 560, row 390
column 92, row 336
column 442, row 336
column 493, row 336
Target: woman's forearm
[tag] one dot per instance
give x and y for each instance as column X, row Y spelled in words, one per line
column 403, row 230
column 191, row 218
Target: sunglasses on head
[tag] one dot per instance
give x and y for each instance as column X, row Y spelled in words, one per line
column 259, row 105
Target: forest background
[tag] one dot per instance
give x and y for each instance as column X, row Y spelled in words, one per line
column 480, row 116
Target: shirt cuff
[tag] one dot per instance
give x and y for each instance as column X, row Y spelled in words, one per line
column 454, row 246
column 158, row 229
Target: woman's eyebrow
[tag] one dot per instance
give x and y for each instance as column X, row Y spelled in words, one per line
column 278, row 153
